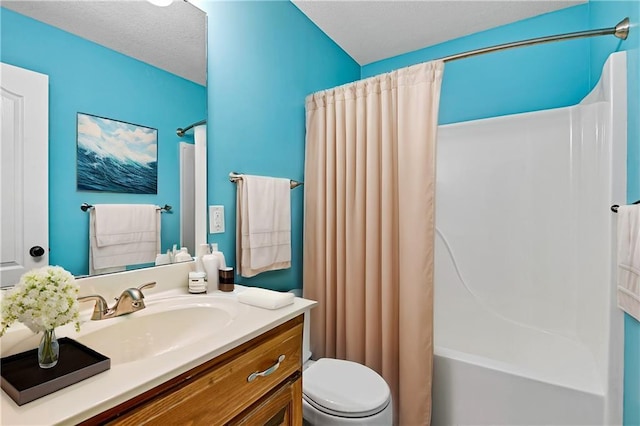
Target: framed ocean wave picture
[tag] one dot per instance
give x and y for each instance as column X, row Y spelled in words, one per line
column 116, row 156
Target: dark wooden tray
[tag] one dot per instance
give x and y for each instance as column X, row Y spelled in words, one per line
column 23, row 380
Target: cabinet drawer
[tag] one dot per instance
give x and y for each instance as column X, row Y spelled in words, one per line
column 282, row 407
column 217, row 395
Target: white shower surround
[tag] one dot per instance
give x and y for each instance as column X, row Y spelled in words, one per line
column 526, row 326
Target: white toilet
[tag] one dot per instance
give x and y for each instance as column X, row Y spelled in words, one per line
column 337, row 392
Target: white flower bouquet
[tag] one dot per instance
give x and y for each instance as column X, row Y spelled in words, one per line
column 45, row 298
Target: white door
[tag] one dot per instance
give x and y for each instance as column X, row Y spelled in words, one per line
column 24, row 184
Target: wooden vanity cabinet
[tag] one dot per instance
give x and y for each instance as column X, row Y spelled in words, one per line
column 218, row 392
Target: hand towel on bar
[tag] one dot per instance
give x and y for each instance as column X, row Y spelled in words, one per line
column 125, row 223
column 629, row 260
column 264, row 298
column 140, row 246
column 263, row 225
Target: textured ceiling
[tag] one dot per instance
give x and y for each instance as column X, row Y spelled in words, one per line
column 373, row 30
column 172, row 38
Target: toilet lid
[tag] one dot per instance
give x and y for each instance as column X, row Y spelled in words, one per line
column 344, row 388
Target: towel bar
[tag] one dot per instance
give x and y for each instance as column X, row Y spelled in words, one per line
column 234, row 177
column 85, row 207
column 614, row 208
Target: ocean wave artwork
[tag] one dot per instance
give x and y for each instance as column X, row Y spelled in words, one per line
column 115, row 156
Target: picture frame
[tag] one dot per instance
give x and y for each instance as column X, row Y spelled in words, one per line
column 116, row 156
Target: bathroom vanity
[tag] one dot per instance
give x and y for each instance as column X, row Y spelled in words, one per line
column 220, row 391
column 184, row 359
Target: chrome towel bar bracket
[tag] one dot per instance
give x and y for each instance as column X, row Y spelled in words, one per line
column 614, row 208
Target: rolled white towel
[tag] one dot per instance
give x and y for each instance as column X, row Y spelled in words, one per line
column 264, row 298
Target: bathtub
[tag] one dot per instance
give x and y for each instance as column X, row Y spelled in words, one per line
column 526, row 328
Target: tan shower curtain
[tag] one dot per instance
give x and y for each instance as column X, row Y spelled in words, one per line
column 369, row 228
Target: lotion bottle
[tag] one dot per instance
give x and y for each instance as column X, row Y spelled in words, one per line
column 201, row 252
column 211, row 265
column 214, row 251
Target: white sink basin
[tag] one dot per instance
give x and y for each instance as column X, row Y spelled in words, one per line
column 158, row 329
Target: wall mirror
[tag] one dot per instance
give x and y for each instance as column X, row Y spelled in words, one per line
column 128, row 61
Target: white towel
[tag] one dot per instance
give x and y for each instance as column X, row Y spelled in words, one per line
column 264, row 298
column 125, row 223
column 629, row 259
column 263, row 225
column 123, row 239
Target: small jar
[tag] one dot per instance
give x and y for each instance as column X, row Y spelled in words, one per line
column 226, row 279
column 197, row 284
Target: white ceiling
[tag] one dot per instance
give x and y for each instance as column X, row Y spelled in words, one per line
column 373, row 30
column 173, row 38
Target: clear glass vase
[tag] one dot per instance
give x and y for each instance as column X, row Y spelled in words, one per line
column 49, row 350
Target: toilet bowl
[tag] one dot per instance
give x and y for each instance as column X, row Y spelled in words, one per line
column 337, row 392
column 342, row 393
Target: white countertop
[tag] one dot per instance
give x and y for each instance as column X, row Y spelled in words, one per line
column 123, row 381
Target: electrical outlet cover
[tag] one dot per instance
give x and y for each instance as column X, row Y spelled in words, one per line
column 216, row 219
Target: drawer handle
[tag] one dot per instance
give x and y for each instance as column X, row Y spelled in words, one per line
column 266, row 372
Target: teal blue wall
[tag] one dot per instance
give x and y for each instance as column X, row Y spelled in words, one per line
column 540, row 77
column 264, row 58
column 605, row 14
column 86, row 77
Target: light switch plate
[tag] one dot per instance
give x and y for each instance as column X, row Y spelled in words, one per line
column 216, row 219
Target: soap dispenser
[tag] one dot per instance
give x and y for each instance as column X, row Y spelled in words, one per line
column 211, row 265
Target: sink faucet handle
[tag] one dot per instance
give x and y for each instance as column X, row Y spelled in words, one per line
column 100, row 308
column 152, row 284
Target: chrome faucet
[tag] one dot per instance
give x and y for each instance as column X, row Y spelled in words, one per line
column 131, row 300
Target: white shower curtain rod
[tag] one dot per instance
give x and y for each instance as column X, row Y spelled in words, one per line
column 621, row 31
